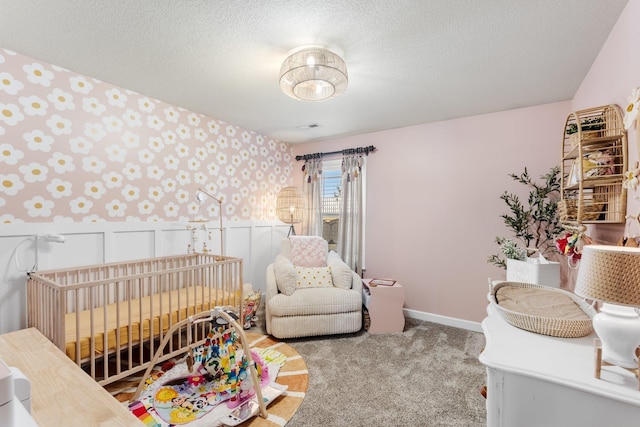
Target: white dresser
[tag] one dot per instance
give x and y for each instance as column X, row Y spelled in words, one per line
column 535, row 380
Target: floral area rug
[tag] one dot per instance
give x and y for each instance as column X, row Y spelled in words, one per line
column 289, row 367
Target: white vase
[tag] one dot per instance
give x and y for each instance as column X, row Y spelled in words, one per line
column 530, row 272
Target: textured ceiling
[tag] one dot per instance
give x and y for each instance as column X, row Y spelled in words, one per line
column 409, row 62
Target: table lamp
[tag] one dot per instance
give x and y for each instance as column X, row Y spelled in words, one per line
column 290, row 206
column 611, row 275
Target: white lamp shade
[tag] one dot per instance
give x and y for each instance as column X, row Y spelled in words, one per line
column 313, row 74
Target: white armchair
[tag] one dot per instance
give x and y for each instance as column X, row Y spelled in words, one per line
column 302, row 300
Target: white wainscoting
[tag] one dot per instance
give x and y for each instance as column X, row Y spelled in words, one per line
column 22, row 248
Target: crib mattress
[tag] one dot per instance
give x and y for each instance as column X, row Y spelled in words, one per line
column 184, row 303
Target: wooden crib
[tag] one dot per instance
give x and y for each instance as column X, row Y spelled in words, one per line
column 109, row 318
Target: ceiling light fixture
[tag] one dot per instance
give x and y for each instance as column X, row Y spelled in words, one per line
column 313, row 74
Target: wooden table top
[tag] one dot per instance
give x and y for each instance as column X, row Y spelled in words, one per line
column 62, row 394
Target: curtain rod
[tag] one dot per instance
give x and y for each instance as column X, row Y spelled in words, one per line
column 359, row 150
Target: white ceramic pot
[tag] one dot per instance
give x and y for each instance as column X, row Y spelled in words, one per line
column 530, row 272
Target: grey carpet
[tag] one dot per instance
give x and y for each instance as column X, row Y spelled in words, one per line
column 427, row 376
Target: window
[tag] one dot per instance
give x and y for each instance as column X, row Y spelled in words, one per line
column 331, row 177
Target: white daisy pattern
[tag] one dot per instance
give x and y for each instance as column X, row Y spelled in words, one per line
column 631, row 112
column 154, row 172
column 36, row 73
column 76, row 149
column 33, row 105
column 59, row 188
column 80, row 145
column 146, row 105
column 94, row 131
column 171, row 114
column 112, row 180
column 61, row 163
column 80, row 205
column 132, row 171
column 112, row 124
column 39, row 207
column 10, row 184
column 93, row 164
column 59, row 125
column 10, row 85
column 183, row 132
column 199, row 177
column 93, row 106
column 145, row 207
column 156, row 144
column 10, row 114
column 80, row 84
column 61, row 100
column 34, row 172
column 182, row 196
column 156, row 193
column 116, row 98
column 132, row 118
column 146, row 156
column 9, row 154
column 169, row 185
column 94, row 189
column 171, row 210
column 130, row 192
column 116, row 208
column 154, row 122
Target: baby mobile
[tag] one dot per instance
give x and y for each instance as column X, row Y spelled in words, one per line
column 196, row 232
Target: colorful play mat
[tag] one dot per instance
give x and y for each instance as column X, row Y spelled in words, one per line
column 175, row 396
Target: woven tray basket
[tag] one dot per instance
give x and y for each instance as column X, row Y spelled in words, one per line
column 564, row 328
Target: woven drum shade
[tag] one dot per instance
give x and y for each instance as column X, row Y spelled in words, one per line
column 610, row 274
column 290, row 205
column 313, row 74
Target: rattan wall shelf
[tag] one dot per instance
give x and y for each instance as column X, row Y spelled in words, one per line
column 594, row 158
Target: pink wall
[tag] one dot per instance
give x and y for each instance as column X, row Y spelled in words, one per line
column 433, row 200
column 434, row 189
column 614, row 73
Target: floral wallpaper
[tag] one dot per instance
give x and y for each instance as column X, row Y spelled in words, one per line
column 76, row 149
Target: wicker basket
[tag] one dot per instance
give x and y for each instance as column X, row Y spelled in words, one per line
column 568, row 210
column 574, row 139
column 564, row 328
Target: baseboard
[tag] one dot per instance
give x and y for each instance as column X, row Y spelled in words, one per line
column 443, row 320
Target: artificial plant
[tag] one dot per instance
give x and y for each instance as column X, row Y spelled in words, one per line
column 535, row 224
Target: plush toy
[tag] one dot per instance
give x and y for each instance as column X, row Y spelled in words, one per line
column 251, row 304
column 599, row 163
column 571, row 245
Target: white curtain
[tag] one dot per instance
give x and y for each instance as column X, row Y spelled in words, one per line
column 352, row 212
column 312, row 189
